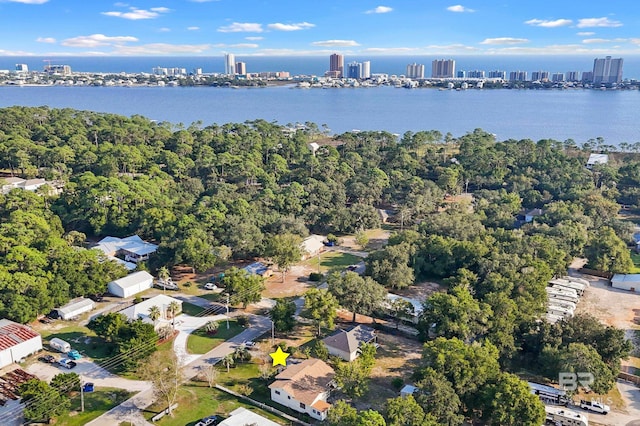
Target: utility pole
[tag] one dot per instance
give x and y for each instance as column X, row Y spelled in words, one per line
column 227, row 311
column 273, row 333
column 81, row 396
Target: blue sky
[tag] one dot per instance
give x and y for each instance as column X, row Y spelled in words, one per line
column 352, row 27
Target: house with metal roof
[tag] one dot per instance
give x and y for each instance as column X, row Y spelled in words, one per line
column 241, row 417
column 140, row 311
column 17, row 341
column 132, row 249
column 75, row 308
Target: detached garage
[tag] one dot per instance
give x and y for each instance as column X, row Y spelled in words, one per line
column 17, row 342
column 131, row 285
column 629, row 282
column 75, row 308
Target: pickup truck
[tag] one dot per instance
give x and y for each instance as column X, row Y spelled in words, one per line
column 596, row 407
column 67, row 363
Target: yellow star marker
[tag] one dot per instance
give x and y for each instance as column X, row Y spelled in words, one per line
column 279, row 357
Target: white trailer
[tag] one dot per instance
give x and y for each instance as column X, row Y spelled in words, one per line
column 561, row 297
column 557, row 310
column 563, row 304
column 562, row 290
column 59, row 345
column 552, row 319
column 563, row 417
column 562, row 284
column 577, row 280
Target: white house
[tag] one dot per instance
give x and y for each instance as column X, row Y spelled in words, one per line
column 27, row 184
column 75, row 307
column 241, row 417
column 131, row 284
column 304, row 387
column 312, row 246
column 597, row 159
column 345, row 344
column 17, row 341
column 141, row 310
column 133, row 248
column 416, row 304
column 629, row 282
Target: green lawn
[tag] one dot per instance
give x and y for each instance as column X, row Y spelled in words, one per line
column 191, row 309
column 635, row 257
column 213, row 297
column 81, row 339
column 332, row 260
column 95, row 404
column 196, row 401
column 200, row 342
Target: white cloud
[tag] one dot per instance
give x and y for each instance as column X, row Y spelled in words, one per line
column 602, row 40
column 96, row 40
column 193, row 28
column 121, row 4
column 586, row 33
column 380, row 9
column 335, row 43
column 452, row 48
column 161, row 49
column 389, row 50
column 635, row 40
column 136, row 14
column 254, row 38
column 241, row 27
column 504, row 40
column 46, row 40
column 290, row 27
column 598, row 22
column 549, row 24
column 164, row 30
column 459, row 9
column 29, row 1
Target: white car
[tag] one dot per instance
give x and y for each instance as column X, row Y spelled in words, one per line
column 596, row 407
column 210, row 286
column 249, row 343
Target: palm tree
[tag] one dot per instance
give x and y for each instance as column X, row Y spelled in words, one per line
column 211, row 326
column 154, row 313
column 228, row 361
column 163, row 274
column 174, row 308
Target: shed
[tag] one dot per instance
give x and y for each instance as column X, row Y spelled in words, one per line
column 629, row 282
column 259, row 268
column 131, row 284
column 312, row 245
column 17, row 341
column 597, row 159
column 75, row 307
column 241, row 417
column 408, row 390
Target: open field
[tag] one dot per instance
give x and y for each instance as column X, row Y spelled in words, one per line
column 330, row 261
column 196, row 400
column 95, row 404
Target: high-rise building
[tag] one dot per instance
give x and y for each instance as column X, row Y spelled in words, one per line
column 461, row 74
column 607, row 70
column 518, row 76
column 229, row 64
column 572, row 75
column 336, row 64
column 241, row 68
column 57, row 69
column 415, row 71
column 354, row 69
column 22, row 68
column 498, row 74
column 475, row 74
column 366, row 70
column 557, row 77
column 443, row 68
column 587, row 76
column 540, row 76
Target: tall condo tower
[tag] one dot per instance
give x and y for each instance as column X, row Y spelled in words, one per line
column 607, row 70
column 443, row 68
column 415, row 70
column 229, row 64
column 366, row 69
column 241, row 68
column 336, row 64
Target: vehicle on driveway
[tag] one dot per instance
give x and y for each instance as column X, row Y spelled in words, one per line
column 210, row 286
column 67, row 363
column 595, row 406
column 49, row 359
column 166, row 285
column 87, row 387
column 352, row 267
column 208, row 421
column 249, row 343
column 74, row 354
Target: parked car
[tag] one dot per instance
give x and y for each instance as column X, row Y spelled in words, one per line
column 49, row 359
column 329, row 243
column 67, row 363
column 352, row 267
column 596, row 407
column 210, row 286
column 96, row 297
column 74, row 354
column 207, row 421
column 87, row 387
column 249, row 343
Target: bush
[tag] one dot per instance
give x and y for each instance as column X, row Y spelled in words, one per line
column 242, row 320
column 332, row 239
column 137, row 300
column 188, row 284
column 397, row 383
column 316, row 276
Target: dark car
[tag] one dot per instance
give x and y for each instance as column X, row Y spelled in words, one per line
column 96, row 298
column 49, row 359
column 208, row 421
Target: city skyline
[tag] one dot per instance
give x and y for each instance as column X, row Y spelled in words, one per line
column 287, row 28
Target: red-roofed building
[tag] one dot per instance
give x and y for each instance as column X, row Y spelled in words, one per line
column 17, row 341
